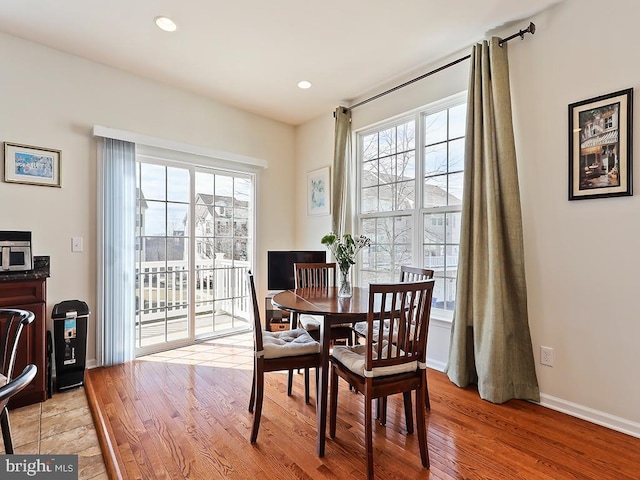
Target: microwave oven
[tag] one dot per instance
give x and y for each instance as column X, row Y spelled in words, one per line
column 15, row 251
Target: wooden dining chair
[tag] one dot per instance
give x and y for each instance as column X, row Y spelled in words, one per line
column 407, row 274
column 317, row 275
column 277, row 351
column 12, row 323
column 381, row 368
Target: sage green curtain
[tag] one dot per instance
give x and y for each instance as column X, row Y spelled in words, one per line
column 490, row 338
column 341, row 194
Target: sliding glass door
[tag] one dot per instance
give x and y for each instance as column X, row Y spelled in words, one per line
column 193, row 246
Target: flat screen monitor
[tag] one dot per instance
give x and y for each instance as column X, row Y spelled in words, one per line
column 280, row 266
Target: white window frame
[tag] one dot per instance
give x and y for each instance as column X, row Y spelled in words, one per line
column 419, row 211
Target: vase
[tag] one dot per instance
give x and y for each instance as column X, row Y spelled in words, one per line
column 344, row 283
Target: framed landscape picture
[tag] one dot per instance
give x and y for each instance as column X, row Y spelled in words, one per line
column 31, row 165
column 318, row 197
column 600, row 146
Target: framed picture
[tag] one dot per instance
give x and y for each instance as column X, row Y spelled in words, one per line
column 318, row 192
column 31, row 165
column 600, row 148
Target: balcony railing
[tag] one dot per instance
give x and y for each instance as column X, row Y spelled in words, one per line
column 162, row 290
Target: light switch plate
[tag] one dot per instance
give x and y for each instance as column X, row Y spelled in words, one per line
column 77, row 244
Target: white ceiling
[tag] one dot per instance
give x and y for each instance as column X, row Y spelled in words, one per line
column 252, row 53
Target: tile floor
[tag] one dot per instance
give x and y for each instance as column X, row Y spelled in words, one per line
column 61, row 425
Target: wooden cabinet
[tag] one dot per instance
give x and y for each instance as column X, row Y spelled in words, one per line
column 29, row 295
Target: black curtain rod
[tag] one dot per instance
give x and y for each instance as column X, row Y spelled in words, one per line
column 530, row 29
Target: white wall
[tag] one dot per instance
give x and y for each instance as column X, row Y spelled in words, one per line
column 52, row 99
column 581, row 257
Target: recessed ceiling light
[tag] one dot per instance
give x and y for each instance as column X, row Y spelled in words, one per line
column 166, row 24
column 304, row 84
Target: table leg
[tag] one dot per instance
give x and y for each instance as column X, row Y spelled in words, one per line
column 323, row 384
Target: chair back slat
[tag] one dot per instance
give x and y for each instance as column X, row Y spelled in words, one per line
column 314, row 275
column 407, row 307
column 414, row 274
column 257, row 324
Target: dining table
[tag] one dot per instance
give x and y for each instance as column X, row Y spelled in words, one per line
column 325, row 302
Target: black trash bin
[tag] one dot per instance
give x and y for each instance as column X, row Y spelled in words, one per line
column 70, row 320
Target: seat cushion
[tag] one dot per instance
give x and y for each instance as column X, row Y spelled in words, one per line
column 354, row 357
column 3, row 380
column 310, row 322
column 361, row 329
column 288, row 343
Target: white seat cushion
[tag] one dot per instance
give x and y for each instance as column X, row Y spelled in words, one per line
column 288, row 343
column 3, row 380
column 354, row 357
column 361, row 328
column 310, row 322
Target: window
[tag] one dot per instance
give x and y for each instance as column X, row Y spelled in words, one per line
column 410, row 177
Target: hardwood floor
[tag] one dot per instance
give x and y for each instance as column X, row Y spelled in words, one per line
column 183, row 414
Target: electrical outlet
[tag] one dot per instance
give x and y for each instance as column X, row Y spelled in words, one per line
column 546, row 356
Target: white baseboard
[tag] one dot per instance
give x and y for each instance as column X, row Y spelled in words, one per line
column 436, row 365
column 589, row 414
column 92, row 363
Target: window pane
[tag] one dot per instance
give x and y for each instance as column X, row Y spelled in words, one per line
column 405, row 195
column 224, row 186
column 453, row 227
column 434, row 229
column 204, row 186
column 370, row 147
column 387, row 170
column 435, row 158
column 155, row 218
column 406, row 137
column 177, row 184
column 370, row 175
column 435, row 191
column 455, row 188
column 388, row 142
column 457, row 121
column 456, row 155
column 369, row 200
column 177, row 219
column 386, row 198
column 152, row 181
column 406, row 167
column 436, row 127
column 241, row 192
column 403, row 230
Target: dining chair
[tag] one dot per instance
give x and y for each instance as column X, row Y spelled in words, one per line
column 7, row 391
column 381, row 368
column 12, row 323
column 407, row 274
column 277, row 351
column 317, row 275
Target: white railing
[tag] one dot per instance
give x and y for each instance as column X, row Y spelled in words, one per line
column 438, row 261
column 223, row 288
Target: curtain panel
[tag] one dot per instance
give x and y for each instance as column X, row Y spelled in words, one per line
column 116, row 251
column 490, row 338
column 341, row 192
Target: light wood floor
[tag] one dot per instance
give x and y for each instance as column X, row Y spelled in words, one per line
column 183, row 414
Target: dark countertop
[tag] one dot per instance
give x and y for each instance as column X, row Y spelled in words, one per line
column 40, row 270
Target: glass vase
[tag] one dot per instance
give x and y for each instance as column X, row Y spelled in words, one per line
column 344, row 283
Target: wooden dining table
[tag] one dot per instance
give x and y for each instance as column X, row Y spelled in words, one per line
column 335, row 310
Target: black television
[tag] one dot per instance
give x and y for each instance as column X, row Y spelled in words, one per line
column 280, row 266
